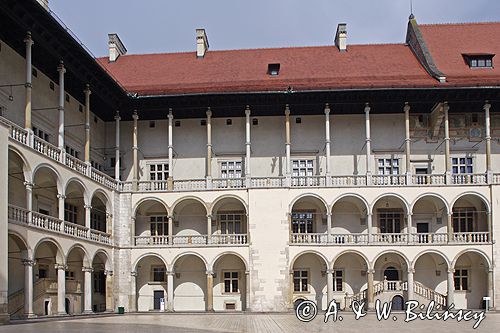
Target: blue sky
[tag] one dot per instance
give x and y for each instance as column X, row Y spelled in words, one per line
column 154, row 26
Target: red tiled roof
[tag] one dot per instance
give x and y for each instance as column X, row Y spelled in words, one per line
column 303, row 68
column 447, row 43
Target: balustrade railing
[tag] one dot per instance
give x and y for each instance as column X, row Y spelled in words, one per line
column 222, row 183
column 153, row 186
column 309, row 238
column 46, row 149
column 390, row 238
column 388, row 180
column 267, row 182
column 230, row 239
column 429, row 179
column 309, row 181
column 348, row 181
column 471, row 237
column 190, row 185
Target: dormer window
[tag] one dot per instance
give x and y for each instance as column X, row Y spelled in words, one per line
column 479, row 60
column 273, row 69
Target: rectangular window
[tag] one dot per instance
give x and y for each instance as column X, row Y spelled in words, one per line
column 98, row 220
column 96, row 165
column 390, row 221
column 463, row 219
column 231, row 169
column 70, row 213
column 300, row 280
column 338, row 279
column 158, row 273
column 230, row 223
column 158, row 171
column 388, row 166
column 480, row 61
column 302, row 168
column 72, row 152
column 302, row 222
column 99, row 282
column 461, row 165
column 41, row 134
column 158, row 225
column 461, row 277
column 231, row 282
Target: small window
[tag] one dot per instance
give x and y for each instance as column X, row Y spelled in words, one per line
column 177, row 123
column 70, row 213
column 461, row 165
column 388, row 166
column 158, row 171
column 231, row 169
column 80, row 107
column 255, row 121
column 229, row 121
column 461, row 277
column 300, row 280
column 231, row 282
column 273, row 69
column 158, row 273
column 67, row 98
column 298, row 120
column 95, row 119
column 203, row 122
column 51, row 85
column 152, row 124
column 479, row 60
column 338, row 279
column 34, row 72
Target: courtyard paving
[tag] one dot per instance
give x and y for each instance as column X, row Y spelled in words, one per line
column 247, row 322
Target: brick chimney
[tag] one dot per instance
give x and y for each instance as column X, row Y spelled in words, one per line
column 201, row 43
column 341, row 37
column 116, row 47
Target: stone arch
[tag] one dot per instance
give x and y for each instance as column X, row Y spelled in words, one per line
column 350, row 194
column 60, row 257
column 361, row 254
column 143, row 200
column 298, row 255
column 430, row 251
column 150, row 254
column 20, row 241
column 473, row 194
column 434, row 195
column 103, row 254
column 85, row 258
column 26, row 165
column 391, row 251
column 476, row 251
column 181, row 255
column 58, row 178
column 220, row 255
column 221, row 198
column 305, row 195
column 405, row 205
column 84, row 187
column 189, row 197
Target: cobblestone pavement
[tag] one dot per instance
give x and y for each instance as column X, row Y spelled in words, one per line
column 249, row 322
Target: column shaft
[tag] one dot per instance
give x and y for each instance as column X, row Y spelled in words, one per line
column 450, row 298
column 170, row 150
column 407, row 142
column 28, row 85
column 170, row 291
column 170, row 230
column 409, row 227
column 87, row 123
column 327, row 142
column 135, row 162
column 491, row 294
column 370, row 290
column 87, row 280
column 287, row 142
column 329, row 226
column 109, row 291
column 209, row 229
column 447, row 139
column 133, row 292
column 411, row 294
column 368, row 144
column 449, row 227
column 329, row 286
column 487, row 135
column 117, row 146
column 369, row 226
column 209, row 145
column 28, row 288
column 61, row 289
column 210, row 291
column 60, row 140
column 247, row 142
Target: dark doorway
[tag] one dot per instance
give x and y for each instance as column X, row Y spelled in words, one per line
column 398, row 303
column 46, row 308
column 391, row 273
column 66, row 305
column 423, row 232
column 158, row 294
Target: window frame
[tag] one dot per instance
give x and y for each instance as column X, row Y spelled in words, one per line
column 301, row 279
column 153, row 272
column 164, row 173
column 336, row 280
column 298, row 219
column 457, row 220
column 391, row 220
column 233, row 222
column 70, row 213
column 231, row 279
column 391, row 167
column 225, row 171
column 459, row 276
column 156, row 223
column 458, row 165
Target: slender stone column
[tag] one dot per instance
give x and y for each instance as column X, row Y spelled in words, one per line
column 329, row 285
column 170, row 229
column 61, row 289
column 409, row 227
column 29, row 200
column 133, row 292
column 446, row 108
column 117, row 145
column 87, row 123
column 329, row 226
column 209, row 229
column 487, row 138
column 449, row 227
column 369, row 226
column 291, row 288
column 209, row 148
column 368, row 145
column 450, row 298
column 411, row 283
column 491, row 294
column 248, row 145
column 247, row 290
column 28, row 287
column 370, row 291
column 87, row 280
column 61, row 199
column 170, row 291
column 210, row 291
column 490, row 226
column 287, row 144
column 170, row 180
column 109, row 291
column 327, row 145
column 28, row 85
column 406, row 109
column 135, row 148
column 60, row 141
column 88, row 214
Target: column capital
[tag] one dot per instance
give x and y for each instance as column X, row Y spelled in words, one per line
column 370, row 271
column 61, row 68
column 411, row 271
column 327, row 109
column 117, row 116
column 247, row 111
column 133, row 274
column 170, row 114
column 60, row 267
column 247, row 272
column 170, row 273
column 209, row 112
column 407, row 107
column 446, row 107
column 108, row 273
column 87, row 206
column 28, row 40
column 486, row 106
column 87, row 90
column 451, row 270
column 29, row 185
column 135, row 116
column 87, row 269
column 28, row 262
column 367, row 108
column 61, row 196
column 330, row 271
column 287, row 110
column 209, row 273
column 210, row 216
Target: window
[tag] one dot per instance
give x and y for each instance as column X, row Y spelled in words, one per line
column 338, row 279
column 67, row 98
column 255, row 121
column 34, row 72
column 99, row 282
column 298, row 120
column 152, row 124
column 70, row 213
column 388, row 166
column 300, row 280
column 158, row 225
column 96, row 165
column 70, row 275
column 461, row 165
column 273, row 69
column 158, row 273
column 51, row 85
column 479, row 60
column 463, row 219
column 41, row 134
column 72, row 152
column 98, row 220
column 231, row 282
column 43, row 272
column 231, row 169
column 302, row 168
column 390, row 221
column 302, row 222
column 461, row 277
column 229, row 121
column 230, row 223
column 158, row 171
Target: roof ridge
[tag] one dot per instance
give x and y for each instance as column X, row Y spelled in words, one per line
column 458, row 23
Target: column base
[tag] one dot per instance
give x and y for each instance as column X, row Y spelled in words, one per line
column 30, row 316
column 88, row 312
column 60, row 314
